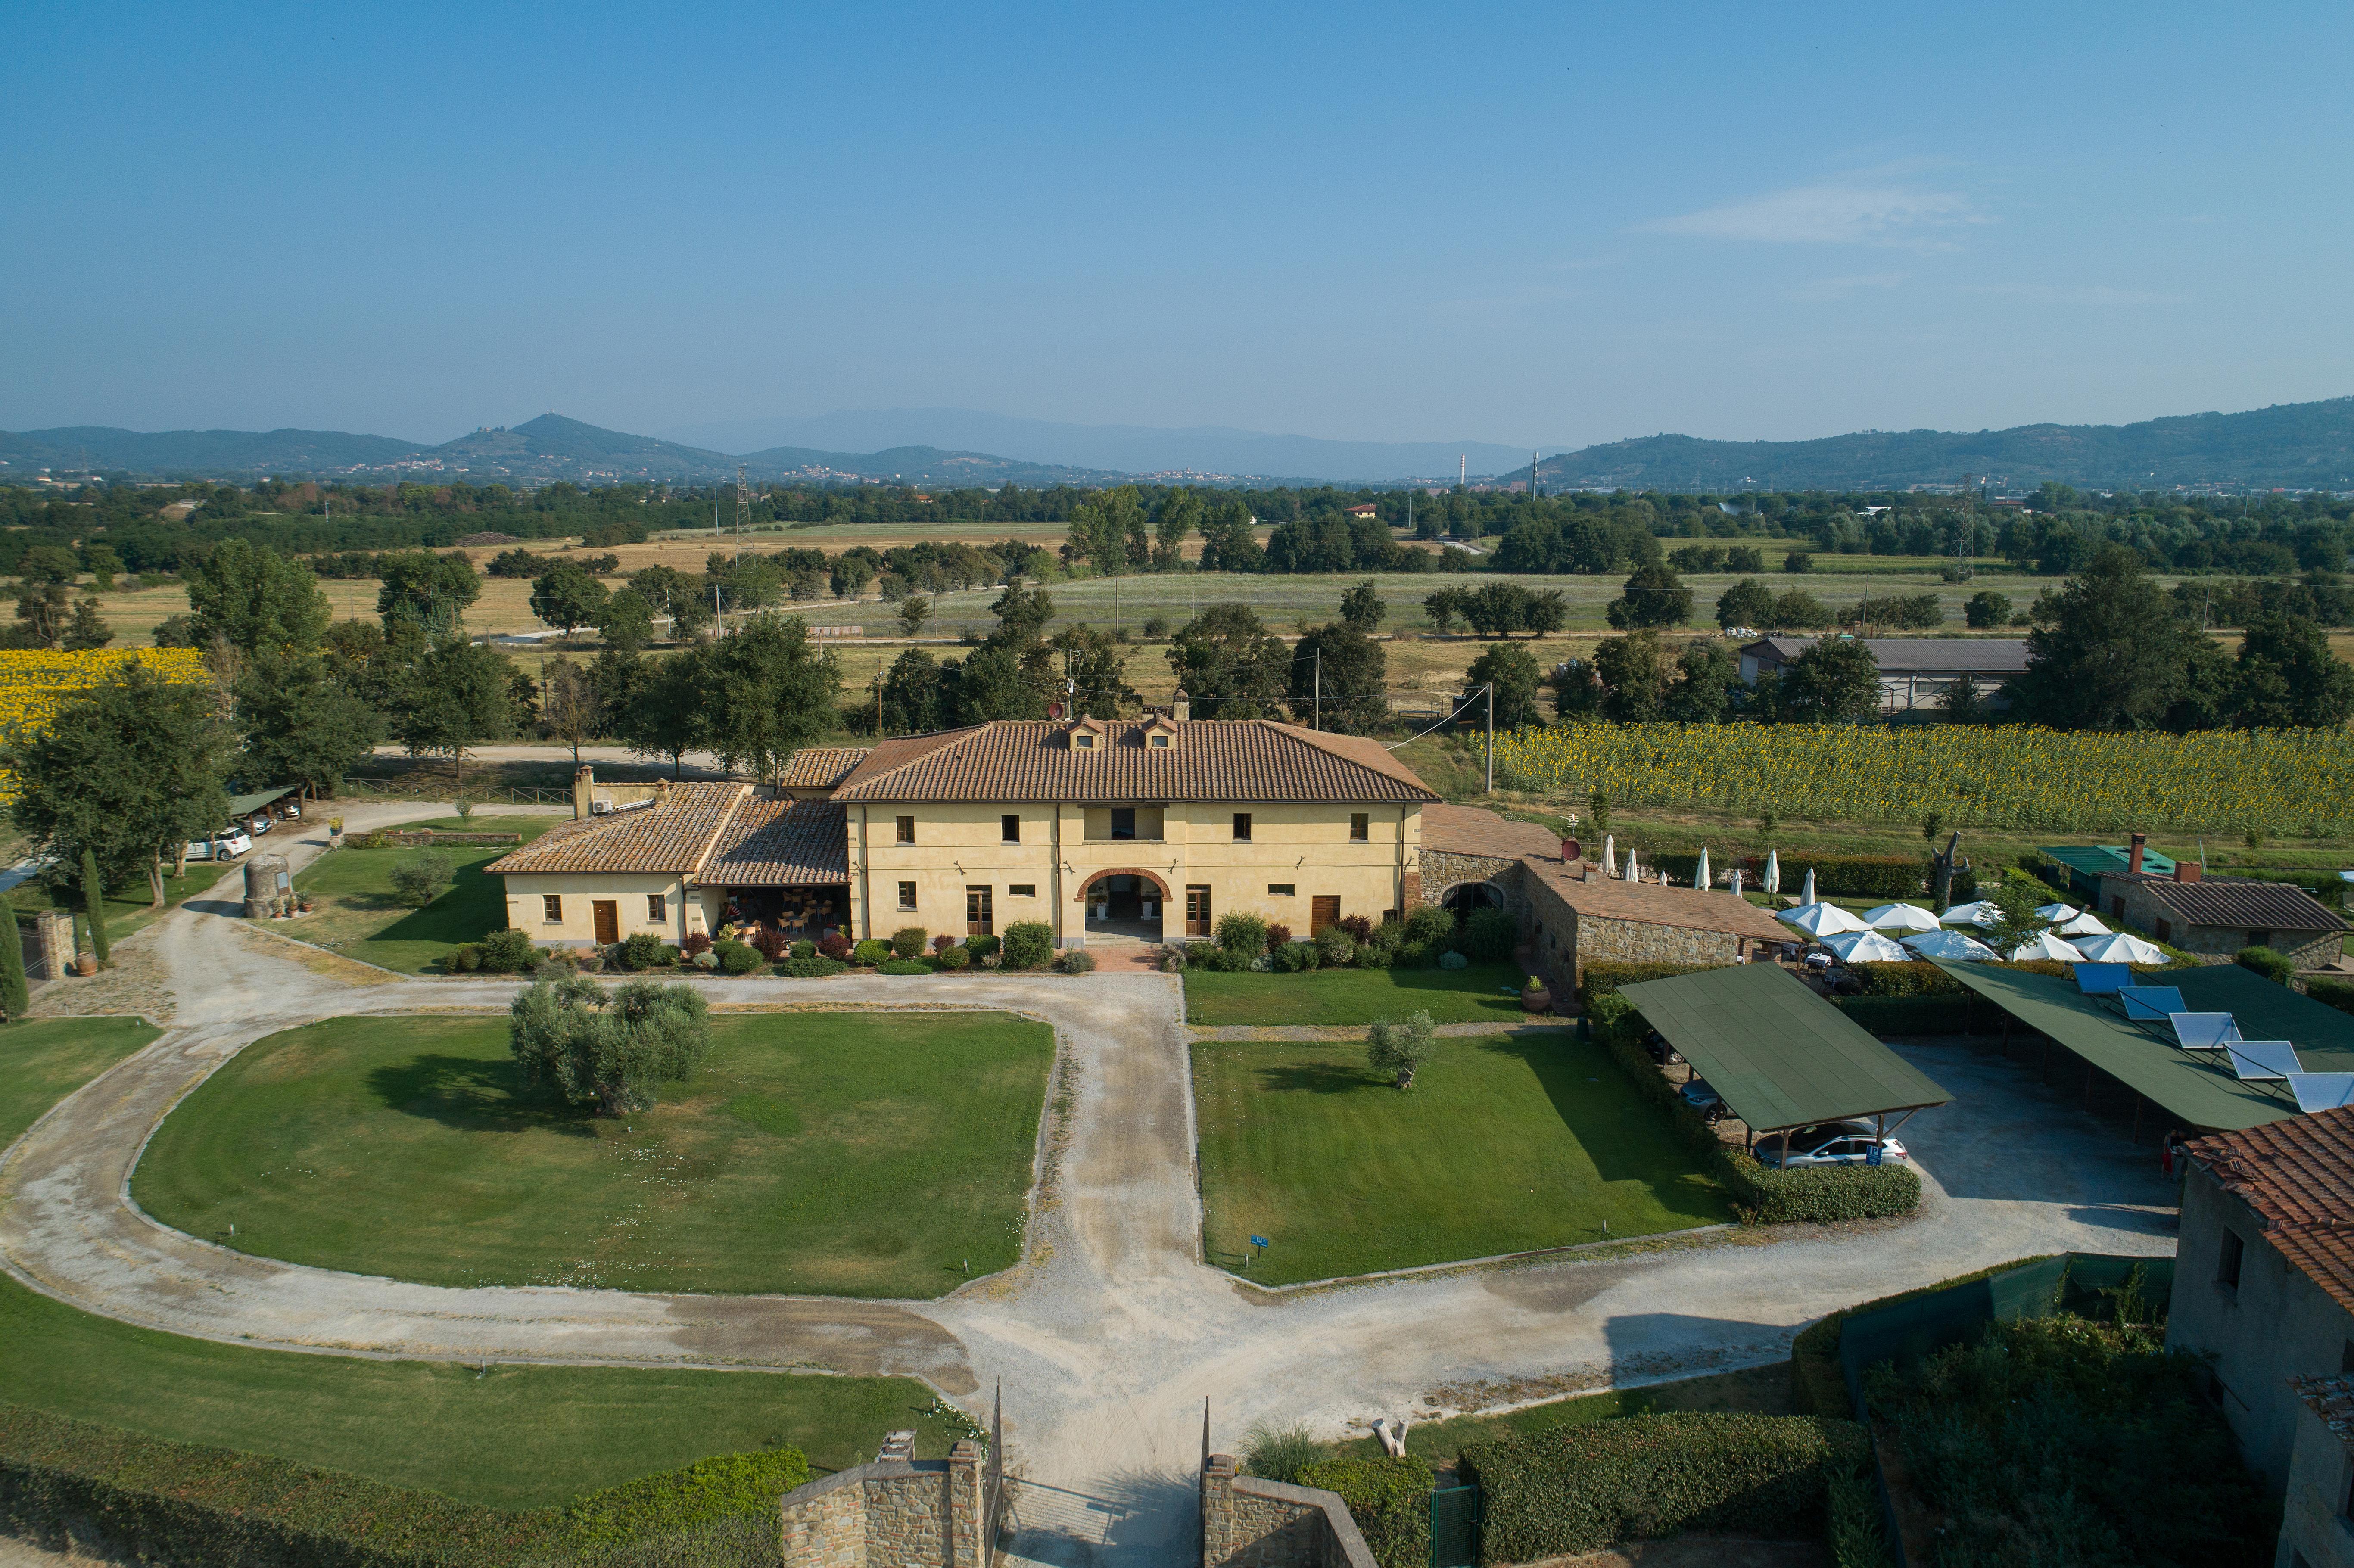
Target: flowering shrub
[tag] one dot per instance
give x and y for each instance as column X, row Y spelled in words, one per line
column 836, row 945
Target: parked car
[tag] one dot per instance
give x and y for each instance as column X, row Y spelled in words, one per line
column 290, row 807
column 199, row 849
column 258, row 821
column 1832, row 1143
column 1703, row 1097
column 1662, row 1053
column 233, row 841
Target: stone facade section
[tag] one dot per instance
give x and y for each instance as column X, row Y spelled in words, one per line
column 2143, row 910
column 1562, row 942
column 893, row 1513
column 1442, row 872
column 1247, row 1523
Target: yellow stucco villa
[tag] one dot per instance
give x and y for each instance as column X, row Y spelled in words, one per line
column 1147, row 828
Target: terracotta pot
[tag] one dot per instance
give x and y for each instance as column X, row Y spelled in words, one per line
column 85, row 964
column 1537, row 1001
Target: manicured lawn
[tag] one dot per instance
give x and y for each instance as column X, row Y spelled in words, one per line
column 1764, row 1391
column 355, row 914
column 1506, row 1143
column 1343, row 997
column 126, row 907
column 849, row 1154
column 517, row 1437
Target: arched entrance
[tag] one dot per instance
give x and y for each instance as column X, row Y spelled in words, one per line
column 1124, row 901
column 1464, row 897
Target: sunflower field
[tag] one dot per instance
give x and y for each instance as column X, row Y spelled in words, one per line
column 1991, row 775
column 33, row 682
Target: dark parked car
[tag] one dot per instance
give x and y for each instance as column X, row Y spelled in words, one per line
column 1698, row 1093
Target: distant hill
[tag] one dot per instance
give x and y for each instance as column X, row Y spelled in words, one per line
column 2304, row 446
column 549, row 448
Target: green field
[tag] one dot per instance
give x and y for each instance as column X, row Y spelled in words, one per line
column 127, row 907
column 515, row 1437
column 1506, row 1143
column 846, row 1154
column 1341, row 998
column 355, row 911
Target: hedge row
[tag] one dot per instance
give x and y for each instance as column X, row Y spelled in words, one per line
column 2339, row 995
column 1581, row 1488
column 1390, row 1501
column 1761, row 1196
column 1601, row 980
column 1816, row 1383
column 199, row 1506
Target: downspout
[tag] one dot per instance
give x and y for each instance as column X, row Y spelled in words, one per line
column 1055, row 841
column 1397, row 874
column 866, row 905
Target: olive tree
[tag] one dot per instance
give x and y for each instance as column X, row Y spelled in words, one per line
column 608, row 1049
column 1399, row 1048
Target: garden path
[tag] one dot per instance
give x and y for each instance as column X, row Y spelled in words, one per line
column 1111, row 1334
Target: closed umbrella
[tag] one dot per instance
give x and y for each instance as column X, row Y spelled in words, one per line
column 1821, row 919
column 1701, row 876
column 1807, row 894
column 1900, row 917
column 1633, row 871
column 2120, row 948
column 2044, row 945
column 2086, row 925
column 1952, row 945
column 1736, row 881
column 1866, row 947
column 2056, row 913
column 1773, row 882
column 1610, row 855
column 1978, row 913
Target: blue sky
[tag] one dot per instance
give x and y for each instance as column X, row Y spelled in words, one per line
column 1562, row 224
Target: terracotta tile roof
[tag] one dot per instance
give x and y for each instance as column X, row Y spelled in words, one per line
column 2298, row 1175
column 1210, row 759
column 673, row 834
column 2250, row 905
column 779, row 843
column 1648, row 904
column 821, row 766
column 2332, row 1399
column 1467, row 830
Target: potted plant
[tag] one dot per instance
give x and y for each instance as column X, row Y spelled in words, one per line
column 334, row 829
column 1534, row 997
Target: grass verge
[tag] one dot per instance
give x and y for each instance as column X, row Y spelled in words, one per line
column 355, row 912
column 1507, row 1143
column 1762, row 1390
column 835, row 1154
column 1341, row 998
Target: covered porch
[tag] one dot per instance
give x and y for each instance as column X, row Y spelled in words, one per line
column 1124, row 904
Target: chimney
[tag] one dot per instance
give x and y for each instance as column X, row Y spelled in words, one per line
column 2185, row 871
column 2132, row 855
column 584, row 790
column 1180, row 706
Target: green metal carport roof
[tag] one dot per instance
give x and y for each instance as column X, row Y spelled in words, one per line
column 2196, row 1088
column 1780, row 1055
column 245, row 805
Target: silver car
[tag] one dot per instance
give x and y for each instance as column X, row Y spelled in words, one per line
column 1832, row 1143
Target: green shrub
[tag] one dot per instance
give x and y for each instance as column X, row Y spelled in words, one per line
column 1244, row 933
column 981, row 947
column 1580, row 1488
column 1390, row 1501
column 1279, row 1451
column 903, row 967
column 2275, row 967
column 738, row 959
column 1076, row 961
column 508, row 952
column 465, row 959
column 1489, row 935
column 1902, row 977
column 908, row 942
column 1855, row 1531
column 418, row 878
column 802, row 951
column 816, row 966
column 871, row 951
column 727, row 1486
column 1291, row 958
column 954, row 958
column 1601, row 980
column 1335, row 949
column 1816, row 1383
column 1373, row 955
column 1450, row 959
column 645, row 951
column 2339, row 995
column 1429, row 924
column 1028, row 944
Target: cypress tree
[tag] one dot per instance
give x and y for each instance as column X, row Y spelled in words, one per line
column 16, row 995
column 93, row 896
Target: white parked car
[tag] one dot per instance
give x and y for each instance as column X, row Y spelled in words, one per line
column 290, row 807
column 1833, row 1143
column 232, row 841
column 258, row 821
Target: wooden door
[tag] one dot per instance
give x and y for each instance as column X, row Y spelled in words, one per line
column 979, row 914
column 1197, row 911
column 608, row 915
column 1323, row 912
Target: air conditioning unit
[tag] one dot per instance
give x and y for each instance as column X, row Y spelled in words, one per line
column 600, row 807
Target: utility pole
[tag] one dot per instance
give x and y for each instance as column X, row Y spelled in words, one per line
column 1492, row 737
column 878, row 705
column 1532, row 473
column 1318, row 722
column 1462, row 470
column 743, row 510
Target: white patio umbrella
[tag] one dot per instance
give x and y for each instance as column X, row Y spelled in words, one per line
column 2120, row 948
column 1807, row 894
column 1900, row 917
column 1633, row 871
column 2086, row 925
column 1773, row 882
column 2056, row 913
column 2044, row 945
column 1736, row 881
column 1978, row 913
column 1952, row 945
column 1701, row 876
column 1610, row 855
column 1866, row 947
column 1821, row 919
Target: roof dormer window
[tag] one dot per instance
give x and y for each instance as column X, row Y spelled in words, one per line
column 1084, row 739
column 1157, row 741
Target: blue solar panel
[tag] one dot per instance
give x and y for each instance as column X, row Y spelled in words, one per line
column 2203, row 1031
column 2150, row 1003
column 2321, row 1091
column 2103, row 980
column 2264, row 1060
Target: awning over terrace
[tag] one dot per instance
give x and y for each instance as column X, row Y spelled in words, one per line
column 2197, row 1088
column 1781, row 1056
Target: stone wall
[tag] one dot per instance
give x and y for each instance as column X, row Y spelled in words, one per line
column 1441, row 870
column 2314, row 1530
column 893, row 1513
column 1247, row 1523
column 2307, row 949
column 1562, row 942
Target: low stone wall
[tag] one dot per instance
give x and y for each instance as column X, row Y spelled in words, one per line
column 1247, row 1523
column 1563, row 942
column 893, row 1513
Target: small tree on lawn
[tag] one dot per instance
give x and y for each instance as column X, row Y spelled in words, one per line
column 607, row 1050
column 1399, row 1048
column 913, row 611
column 418, row 878
column 2016, row 921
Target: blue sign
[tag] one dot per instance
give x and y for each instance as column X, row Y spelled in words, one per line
column 1258, row 1241
column 1872, row 1155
